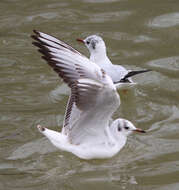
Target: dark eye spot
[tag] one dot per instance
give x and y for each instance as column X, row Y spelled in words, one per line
column 119, row 128
column 93, row 44
column 88, row 42
column 126, row 128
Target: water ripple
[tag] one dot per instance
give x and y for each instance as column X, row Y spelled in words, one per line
column 108, row 16
column 164, row 21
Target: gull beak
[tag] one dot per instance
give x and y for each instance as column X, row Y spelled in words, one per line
column 80, row 40
column 139, row 130
column 40, row 128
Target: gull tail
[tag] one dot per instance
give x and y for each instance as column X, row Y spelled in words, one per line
column 125, row 79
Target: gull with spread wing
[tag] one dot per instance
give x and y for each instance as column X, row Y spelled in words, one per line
column 98, row 55
column 86, row 131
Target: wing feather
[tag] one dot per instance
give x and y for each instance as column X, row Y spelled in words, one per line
column 90, row 86
column 58, row 44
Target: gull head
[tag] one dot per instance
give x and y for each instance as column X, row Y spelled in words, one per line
column 94, row 43
column 124, row 127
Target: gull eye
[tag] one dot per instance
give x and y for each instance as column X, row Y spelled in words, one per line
column 119, row 128
column 126, row 128
column 88, row 42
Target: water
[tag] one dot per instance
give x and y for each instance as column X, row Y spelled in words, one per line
column 138, row 34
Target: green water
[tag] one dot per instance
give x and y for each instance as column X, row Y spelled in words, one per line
column 139, row 34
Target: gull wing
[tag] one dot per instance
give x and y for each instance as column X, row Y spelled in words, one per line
column 91, row 88
column 68, row 64
column 99, row 101
column 54, row 42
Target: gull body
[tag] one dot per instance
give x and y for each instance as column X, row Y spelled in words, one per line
column 98, row 55
column 86, row 131
column 104, row 148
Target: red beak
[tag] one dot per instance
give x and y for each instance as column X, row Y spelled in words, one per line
column 140, row 130
column 80, row 40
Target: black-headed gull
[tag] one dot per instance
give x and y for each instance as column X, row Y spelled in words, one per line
column 86, row 132
column 98, row 55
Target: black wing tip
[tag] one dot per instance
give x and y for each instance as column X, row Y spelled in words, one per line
column 140, row 71
column 43, row 50
column 35, row 44
column 33, row 37
column 146, row 70
column 132, row 73
column 36, row 31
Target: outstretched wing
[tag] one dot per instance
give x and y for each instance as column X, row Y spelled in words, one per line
column 68, row 64
column 54, row 42
column 86, row 80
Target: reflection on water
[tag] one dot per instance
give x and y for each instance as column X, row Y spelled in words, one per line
column 138, row 35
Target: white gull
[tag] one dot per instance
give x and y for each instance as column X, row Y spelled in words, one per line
column 98, row 55
column 86, row 132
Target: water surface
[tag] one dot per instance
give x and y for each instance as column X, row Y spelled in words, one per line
column 138, row 35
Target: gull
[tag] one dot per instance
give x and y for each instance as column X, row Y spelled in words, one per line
column 98, row 55
column 87, row 132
